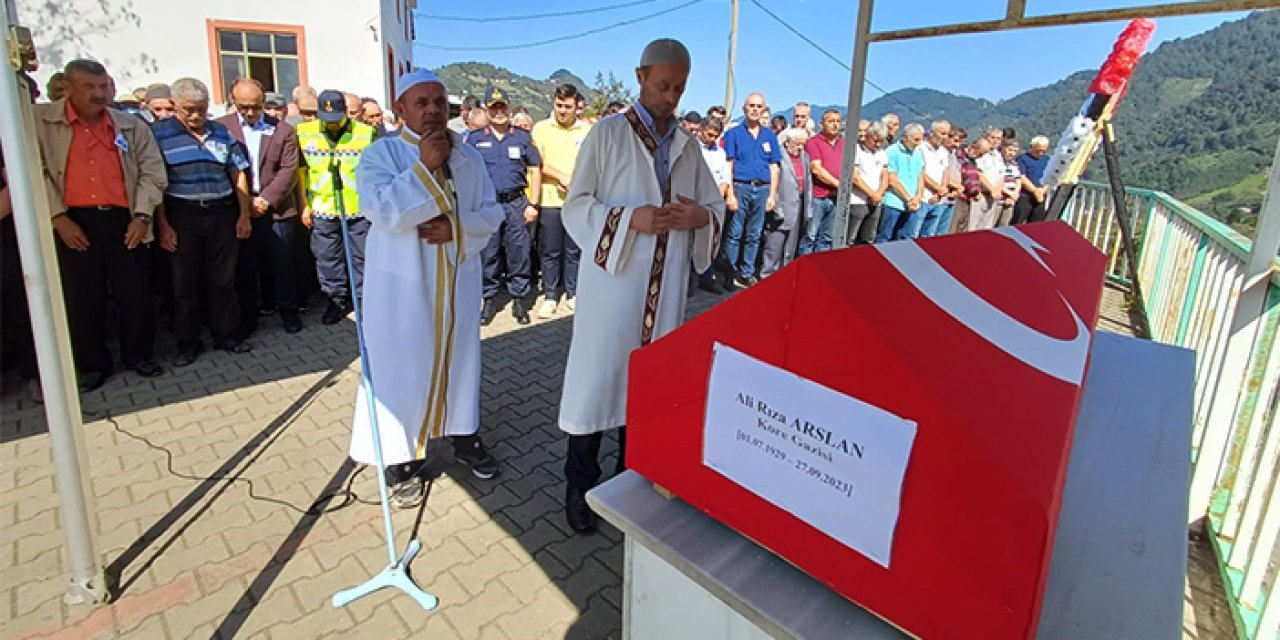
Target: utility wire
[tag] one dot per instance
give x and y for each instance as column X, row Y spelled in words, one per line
column 573, row 36
column 838, row 61
column 558, row 14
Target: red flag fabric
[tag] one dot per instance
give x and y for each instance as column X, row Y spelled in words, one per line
column 980, row 338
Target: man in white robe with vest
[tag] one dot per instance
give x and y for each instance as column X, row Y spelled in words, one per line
column 643, row 205
column 432, row 208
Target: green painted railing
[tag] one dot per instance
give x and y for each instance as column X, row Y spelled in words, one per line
column 1192, row 271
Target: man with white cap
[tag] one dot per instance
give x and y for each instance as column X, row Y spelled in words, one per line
column 433, row 209
column 643, row 205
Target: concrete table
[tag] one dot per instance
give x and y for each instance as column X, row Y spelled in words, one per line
column 1119, row 555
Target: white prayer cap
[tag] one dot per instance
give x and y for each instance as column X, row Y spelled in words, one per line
column 665, row 51
column 415, row 78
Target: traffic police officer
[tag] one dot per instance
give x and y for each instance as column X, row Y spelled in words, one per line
column 333, row 139
column 508, row 154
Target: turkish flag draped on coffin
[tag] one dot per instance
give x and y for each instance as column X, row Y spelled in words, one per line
column 980, row 338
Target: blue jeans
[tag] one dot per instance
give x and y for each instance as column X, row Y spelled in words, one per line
column 946, row 212
column 927, row 224
column 897, row 224
column 817, row 235
column 742, row 242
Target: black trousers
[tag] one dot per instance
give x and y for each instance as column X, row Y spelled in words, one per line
column 513, row 240
column 1026, row 209
column 88, row 276
column 331, row 255
column 205, row 261
column 266, row 258
column 560, row 256
column 15, row 317
column 582, row 464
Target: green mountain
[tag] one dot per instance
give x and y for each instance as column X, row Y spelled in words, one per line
column 473, row 78
column 1200, row 120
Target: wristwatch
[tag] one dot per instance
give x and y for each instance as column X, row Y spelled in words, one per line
column 144, row 217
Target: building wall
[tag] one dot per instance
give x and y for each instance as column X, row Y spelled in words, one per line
column 145, row 41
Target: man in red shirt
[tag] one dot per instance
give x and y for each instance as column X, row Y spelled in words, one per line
column 105, row 177
column 825, row 152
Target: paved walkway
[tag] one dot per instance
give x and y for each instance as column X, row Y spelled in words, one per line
column 204, row 481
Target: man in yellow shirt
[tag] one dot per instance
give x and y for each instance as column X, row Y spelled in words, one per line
column 557, row 139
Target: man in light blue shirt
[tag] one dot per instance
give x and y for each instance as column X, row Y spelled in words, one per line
column 906, row 186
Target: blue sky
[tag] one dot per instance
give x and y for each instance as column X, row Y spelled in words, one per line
column 774, row 61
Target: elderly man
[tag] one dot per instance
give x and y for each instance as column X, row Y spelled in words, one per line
column 755, row 160
column 157, row 104
column 800, row 118
column 937, row 159
column 267, row 255
column 906, row 186
column 558, row 139
column 1032, row 164
column 334, row 142
column 206, row 208
column 825, row 153
column 986, row 213
column 644, row 201
column 275, row 106
column 513, row 163
column 523, row 121
column 795, row 188
column 432, row 207
column 304, row 105
column 891, row 124
column 971, row 196
column 462, row 123
column 870, row 182
column 104, row 177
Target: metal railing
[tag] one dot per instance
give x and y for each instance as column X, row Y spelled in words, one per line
column 1198, row 295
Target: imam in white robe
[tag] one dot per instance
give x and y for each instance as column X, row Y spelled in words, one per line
column 421, row 314
column 619, row 276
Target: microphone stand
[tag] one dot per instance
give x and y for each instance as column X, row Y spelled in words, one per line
column 396, row 575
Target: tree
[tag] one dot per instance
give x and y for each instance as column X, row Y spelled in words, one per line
column 604, row 91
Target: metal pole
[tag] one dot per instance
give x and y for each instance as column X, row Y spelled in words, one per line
column 1126, row 226
column 733, row 54
column 49, row 328
column 857, row 76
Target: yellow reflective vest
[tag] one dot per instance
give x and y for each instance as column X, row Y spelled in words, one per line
column 318, row 153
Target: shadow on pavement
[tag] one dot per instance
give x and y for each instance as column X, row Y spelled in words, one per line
column 211, row 488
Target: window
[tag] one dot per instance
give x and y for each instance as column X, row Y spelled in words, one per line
column 274, row 55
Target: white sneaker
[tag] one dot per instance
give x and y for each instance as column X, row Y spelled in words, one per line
column 547, row 309
column 570, row 303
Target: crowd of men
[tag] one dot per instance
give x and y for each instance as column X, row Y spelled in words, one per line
column 781, row 180
column 254, row 213
column 228, row 219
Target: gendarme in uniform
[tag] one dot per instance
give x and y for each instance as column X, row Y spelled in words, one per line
column 508, row 154
column 333, row 139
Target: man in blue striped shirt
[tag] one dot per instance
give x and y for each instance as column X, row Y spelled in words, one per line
column 206, row 209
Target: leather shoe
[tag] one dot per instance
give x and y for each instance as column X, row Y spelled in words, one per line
column 93, row 380
column 188, row 355
column 708, row 284
column 233, row 345
column 518, row 310
column 148, row 369
column 292, row 323
column 336, row 311
column 486, row 312
column 579, row 514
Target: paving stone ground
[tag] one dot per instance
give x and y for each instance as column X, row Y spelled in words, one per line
column 204, row 482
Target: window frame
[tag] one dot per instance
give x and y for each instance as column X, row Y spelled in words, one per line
column 217, row 86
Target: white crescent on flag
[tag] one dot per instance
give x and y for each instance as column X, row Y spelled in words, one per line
column 1063, row 359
